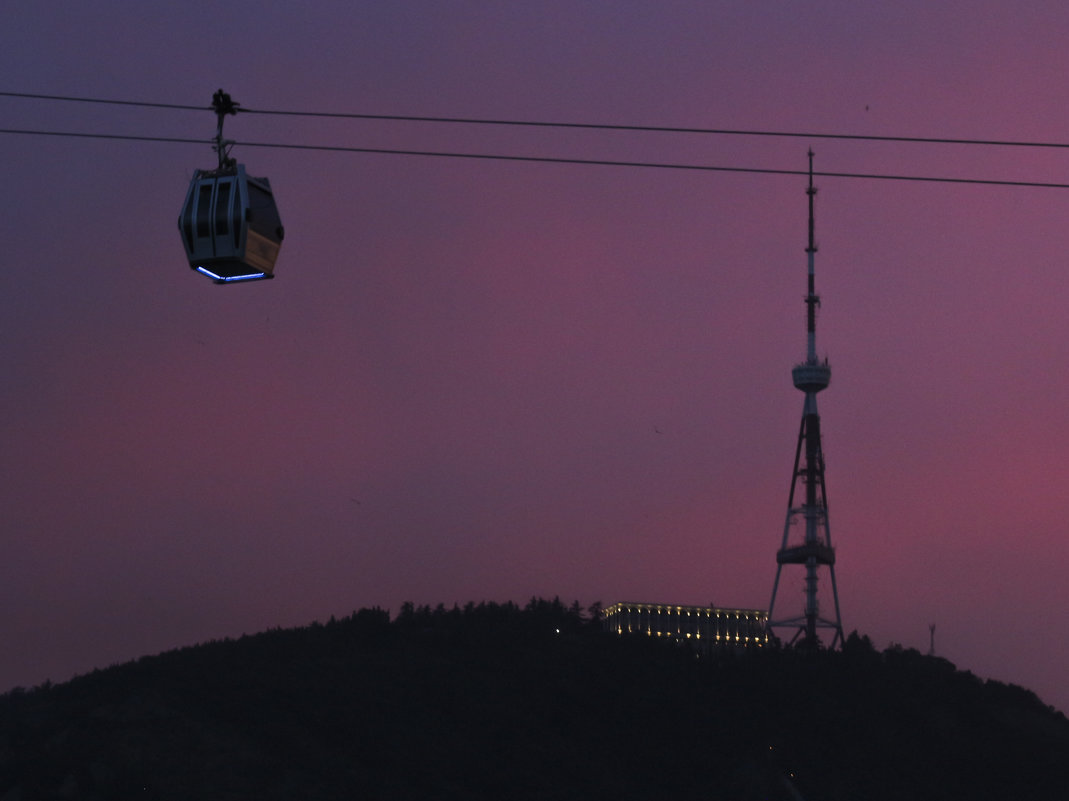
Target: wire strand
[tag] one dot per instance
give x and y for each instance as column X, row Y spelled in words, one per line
column 545, row 159
column 660, row 166
column 665, row 129
column 938, row 140
column 31, row 96
column 129, row 137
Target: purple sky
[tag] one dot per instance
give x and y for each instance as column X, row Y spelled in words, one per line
column 477, row 380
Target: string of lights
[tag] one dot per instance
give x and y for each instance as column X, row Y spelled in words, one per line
column 545, row 159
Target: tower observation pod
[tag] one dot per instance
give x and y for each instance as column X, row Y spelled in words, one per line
column 813, row 550
column 229, row 223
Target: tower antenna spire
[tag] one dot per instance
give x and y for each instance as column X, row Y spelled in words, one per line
column 812, row 192
column 815, row 550
column 812, row 299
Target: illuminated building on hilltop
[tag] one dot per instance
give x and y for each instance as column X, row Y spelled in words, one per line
column 704, row 628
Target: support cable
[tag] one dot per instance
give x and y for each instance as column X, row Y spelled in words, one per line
column 665, row 129
column 938, row 140
column 545, row 159
column 32, row 96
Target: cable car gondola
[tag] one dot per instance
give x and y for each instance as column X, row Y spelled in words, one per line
column 229, row 223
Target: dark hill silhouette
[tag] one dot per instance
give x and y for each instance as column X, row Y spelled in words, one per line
column 497, row 702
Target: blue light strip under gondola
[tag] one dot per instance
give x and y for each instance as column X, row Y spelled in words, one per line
column 219, row 279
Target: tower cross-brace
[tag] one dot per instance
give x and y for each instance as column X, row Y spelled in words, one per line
column 815, row 550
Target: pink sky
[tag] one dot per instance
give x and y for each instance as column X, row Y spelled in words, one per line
column 475, row 380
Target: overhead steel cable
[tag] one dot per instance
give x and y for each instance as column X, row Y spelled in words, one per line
column 32, row 96
column 547, row 159
column 662, row 129
column 128, row 137
column 937, row 140
column 657, row 165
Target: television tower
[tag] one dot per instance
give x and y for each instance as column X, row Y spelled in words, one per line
column 815, row 550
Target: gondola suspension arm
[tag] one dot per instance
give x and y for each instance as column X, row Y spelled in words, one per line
column 222, row 104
